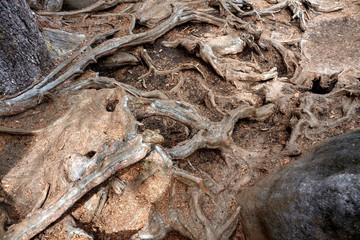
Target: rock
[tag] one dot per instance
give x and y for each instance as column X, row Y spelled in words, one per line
column 53, row 5
column 118, row 59
column 315, row 197
column 77, row 4
column 61, row 43
column 47, row 5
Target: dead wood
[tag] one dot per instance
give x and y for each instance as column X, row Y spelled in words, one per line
column 115, row 156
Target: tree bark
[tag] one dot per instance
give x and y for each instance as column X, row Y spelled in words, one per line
column 23, row 53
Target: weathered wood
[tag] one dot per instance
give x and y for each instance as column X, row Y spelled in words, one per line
column 114, row 158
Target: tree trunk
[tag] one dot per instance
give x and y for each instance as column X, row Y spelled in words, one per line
column 23, row 53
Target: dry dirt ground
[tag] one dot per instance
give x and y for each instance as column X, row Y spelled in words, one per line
column 227, row 118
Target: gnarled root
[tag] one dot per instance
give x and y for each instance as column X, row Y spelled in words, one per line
column 297, row 7
column 228, row 68
column 114, row 157
column 25, row 100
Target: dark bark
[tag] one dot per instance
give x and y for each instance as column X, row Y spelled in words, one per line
column 23, row 53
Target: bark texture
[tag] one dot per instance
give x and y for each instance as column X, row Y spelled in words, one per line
column 23, row 54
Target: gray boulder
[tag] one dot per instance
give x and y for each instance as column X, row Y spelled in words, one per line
column 61, row 43
column 315, row 197
column 77, row 4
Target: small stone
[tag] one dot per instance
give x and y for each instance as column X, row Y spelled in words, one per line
column 77, row 4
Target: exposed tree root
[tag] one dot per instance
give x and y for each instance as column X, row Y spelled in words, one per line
column 70, row 226
column 310, row 120
column 18, row 131
column 221, row 228
column 95, row 7
column 290, row 58
column 228, row 68
column 207, row 135
column 113, row 158
column 114, row 116
column 179, row 16
column 297, row 7
column 152, row 69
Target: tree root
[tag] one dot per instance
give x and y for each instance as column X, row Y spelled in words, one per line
column 311, row 121
column 209, row 135
column 106, row 82
column 297, row 9
column 70, row 226
column 290, row 58
column 113, row 158
column 228, row 68
column 19, row 131
column 95, row 7
column 200, row 188
column 220, row 230
column 230, row 9
column 152, row 69
column 180, row 16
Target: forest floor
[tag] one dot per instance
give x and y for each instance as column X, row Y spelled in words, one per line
column 226, row 103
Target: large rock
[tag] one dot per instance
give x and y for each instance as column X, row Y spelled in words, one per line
column 315, row 197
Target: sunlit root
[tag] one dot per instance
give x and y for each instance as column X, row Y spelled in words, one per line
column 218, row 231
column 297, row 7
column 109, row 141
column 114, row 157
column 221, row 227
column 214, row 51
column 310, row 121
column 96, row 202
column 152, row 69
column 179, row 16
column 184, row 176
column 106, row 82
column 289, row 57
column 211, row 97
column 70, row 226
column 18, row 131
column 209, row 135
column 155, row 229
column 95, row 7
